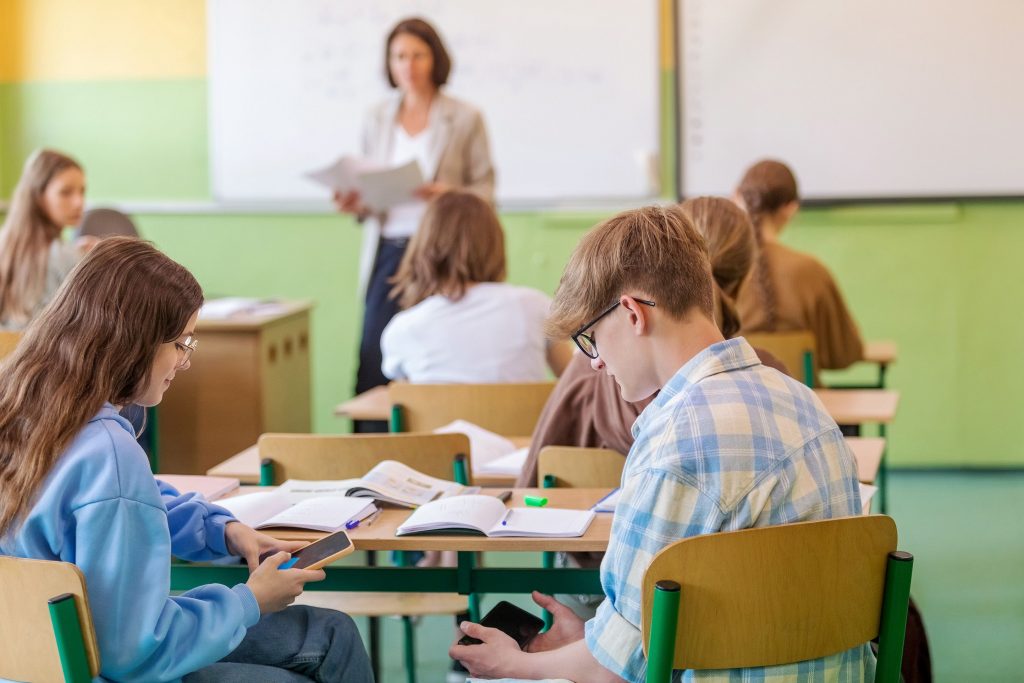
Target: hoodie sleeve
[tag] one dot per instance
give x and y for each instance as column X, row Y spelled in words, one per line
column 196, row 525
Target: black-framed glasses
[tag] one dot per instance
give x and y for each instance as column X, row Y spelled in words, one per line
column 586, row 342
column 187, row 348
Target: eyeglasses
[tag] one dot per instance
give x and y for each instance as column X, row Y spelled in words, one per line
column 187, row 348
column 586, row 342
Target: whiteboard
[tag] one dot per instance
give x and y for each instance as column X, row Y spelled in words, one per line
column 568, row 90
column 866, row 99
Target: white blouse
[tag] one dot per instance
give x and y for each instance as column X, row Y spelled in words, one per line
column 404, row 219
column 495, row 333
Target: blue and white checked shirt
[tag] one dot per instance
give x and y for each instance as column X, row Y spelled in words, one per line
column 728, row 444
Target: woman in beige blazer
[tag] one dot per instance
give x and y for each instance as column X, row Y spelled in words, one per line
column 447, row 137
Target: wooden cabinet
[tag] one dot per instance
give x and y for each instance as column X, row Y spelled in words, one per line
column 250, row 375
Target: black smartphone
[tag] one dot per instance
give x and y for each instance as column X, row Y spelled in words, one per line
column 514, row 621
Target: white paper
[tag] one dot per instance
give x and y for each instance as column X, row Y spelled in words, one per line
column 253, row 508
column 343, row 175
column 510, row 465
column 867, row 492
column 489, row 515
column 294, row 509
column 485, row 446
column 544, row 523
column 380, row 190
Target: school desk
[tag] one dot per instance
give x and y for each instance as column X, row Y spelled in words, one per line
column 372, row 404
column 863, row 406
column 881, row 353
column 251, row 375
column 867, row 452
column 465, row 578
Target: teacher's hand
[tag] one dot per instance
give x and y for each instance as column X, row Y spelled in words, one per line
column 431, row 190
column 350, row 202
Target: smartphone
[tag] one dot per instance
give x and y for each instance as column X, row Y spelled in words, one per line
column 517, row 623
column 320, row 553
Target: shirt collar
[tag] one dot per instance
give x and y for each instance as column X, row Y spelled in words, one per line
column 724, row 356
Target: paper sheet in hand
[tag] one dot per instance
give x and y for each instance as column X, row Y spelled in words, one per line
column 385, row 188
column 343, row 175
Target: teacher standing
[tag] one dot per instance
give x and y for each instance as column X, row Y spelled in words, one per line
column 448, row 139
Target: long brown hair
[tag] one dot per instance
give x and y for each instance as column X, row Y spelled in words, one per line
column 459, row 242
column 652, row 251
column 26, row 236
column 766, row 187
column 732, row 247
column 94, row 343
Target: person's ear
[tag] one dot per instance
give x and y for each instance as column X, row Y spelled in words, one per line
column 638, row 314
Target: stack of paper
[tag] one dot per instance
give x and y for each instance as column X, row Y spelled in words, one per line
column 380, row 187
column 492, row 454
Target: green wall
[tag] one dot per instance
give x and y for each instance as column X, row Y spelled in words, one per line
column 938, row 279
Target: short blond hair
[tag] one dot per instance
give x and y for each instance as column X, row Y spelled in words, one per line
column 459, row 242
column 653, row 252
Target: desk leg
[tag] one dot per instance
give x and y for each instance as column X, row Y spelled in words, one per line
column 373, row 624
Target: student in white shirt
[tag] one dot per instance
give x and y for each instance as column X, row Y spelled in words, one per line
column 462, row 323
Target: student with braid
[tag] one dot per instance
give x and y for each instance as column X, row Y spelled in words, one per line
column 790, row 290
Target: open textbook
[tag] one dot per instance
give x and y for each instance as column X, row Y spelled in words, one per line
column 388, row 482
column 279, row 509
column 380, row 186
column 488, row 515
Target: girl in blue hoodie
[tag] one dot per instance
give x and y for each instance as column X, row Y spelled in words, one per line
column 76, row 487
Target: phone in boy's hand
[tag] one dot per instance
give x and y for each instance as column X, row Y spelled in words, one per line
column 517, row 623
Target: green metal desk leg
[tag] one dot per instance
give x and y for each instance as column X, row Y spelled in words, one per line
column 548, row 557
column 395, row 424
column 662, row 646
column 809, row 369
column 70, row 642
column 892, row 629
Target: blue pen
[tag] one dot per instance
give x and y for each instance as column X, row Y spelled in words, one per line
column 352, row 524
column 504, row 521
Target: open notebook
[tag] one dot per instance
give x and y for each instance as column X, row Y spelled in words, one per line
column 280, row 509
column 487, row 515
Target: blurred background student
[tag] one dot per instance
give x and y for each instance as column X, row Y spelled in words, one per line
column 34, row 260
column 462, row 323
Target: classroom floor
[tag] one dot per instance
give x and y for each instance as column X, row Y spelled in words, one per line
column 966, row 534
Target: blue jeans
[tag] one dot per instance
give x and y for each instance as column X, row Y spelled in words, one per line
column 299, row 643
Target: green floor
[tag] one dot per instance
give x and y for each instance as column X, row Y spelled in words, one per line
column 967, row 534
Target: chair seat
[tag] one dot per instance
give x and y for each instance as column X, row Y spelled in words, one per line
column 372, row 604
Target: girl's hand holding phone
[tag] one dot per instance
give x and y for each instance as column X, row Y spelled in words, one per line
column 275, row 589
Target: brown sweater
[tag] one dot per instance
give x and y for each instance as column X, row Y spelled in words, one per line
column 585, row 409
column 806, row 298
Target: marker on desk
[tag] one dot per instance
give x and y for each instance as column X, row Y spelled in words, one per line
column 536, row 501
column 504, row 496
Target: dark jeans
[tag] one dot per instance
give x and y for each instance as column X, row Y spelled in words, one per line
column 299, row 643
column 378, row 313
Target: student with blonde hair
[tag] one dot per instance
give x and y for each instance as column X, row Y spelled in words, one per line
column 585, row 408
column 727, row 444
column 462, row 323
column 34, row 260
column 790, row 290
column 77, row 488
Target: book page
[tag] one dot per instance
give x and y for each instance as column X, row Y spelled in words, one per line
column 608, row 503
column 252, row 509
column 298, row 490
column 322, row 514
column 404, row 485
column 460, row 512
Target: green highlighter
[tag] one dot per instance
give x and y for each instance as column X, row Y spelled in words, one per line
column 536, row 501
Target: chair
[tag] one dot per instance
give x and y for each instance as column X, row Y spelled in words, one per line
column 582, row 468
column 777, row 595
column 311, row 456
column 46, row 631
column 8, row 340
column 506, row 409
column 797, row 350
column 106, row 223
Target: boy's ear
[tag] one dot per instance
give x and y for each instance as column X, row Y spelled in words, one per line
column 638, row 314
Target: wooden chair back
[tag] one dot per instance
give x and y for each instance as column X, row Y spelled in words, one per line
column 506, row 409
column 348, row 456
column 44, row 610
column 8, row 340
column 797, row 350
column 102, row 222
column 582, row 468
column 774, row 595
